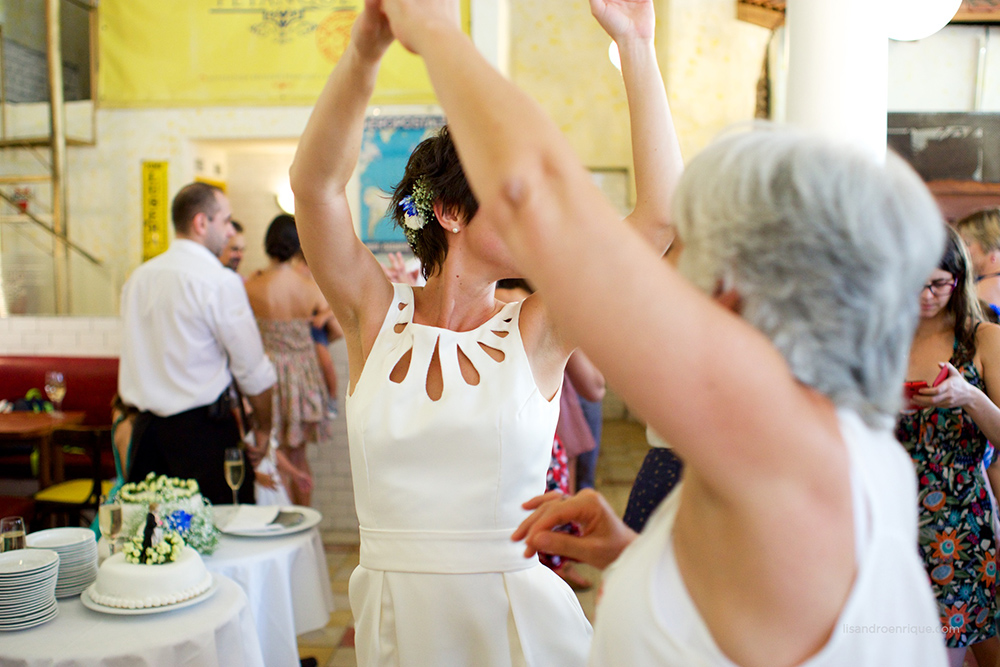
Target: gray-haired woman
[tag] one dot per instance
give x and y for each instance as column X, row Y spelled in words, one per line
column 792, row 538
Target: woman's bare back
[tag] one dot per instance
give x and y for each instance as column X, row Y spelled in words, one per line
column 282, row 293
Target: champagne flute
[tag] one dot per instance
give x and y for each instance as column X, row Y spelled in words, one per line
column 110, row 520
column 12, row 533
column 234, row 470
column 55, row 388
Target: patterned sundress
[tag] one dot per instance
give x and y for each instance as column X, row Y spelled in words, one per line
column 956, row 536
column 300, row 395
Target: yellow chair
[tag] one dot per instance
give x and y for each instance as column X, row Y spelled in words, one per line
column 65, row 502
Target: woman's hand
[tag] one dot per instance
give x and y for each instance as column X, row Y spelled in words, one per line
column 602, row 537
column 265, row 480
column 411, row 19
column 397, row 272
column 303, row 481
column 952, row 392
column 371, row 33
column 622, row 19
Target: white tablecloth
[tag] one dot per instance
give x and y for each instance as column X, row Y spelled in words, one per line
column 287, row 583
column 217, row 632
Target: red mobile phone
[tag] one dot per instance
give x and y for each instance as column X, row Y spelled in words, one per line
column 910, row 388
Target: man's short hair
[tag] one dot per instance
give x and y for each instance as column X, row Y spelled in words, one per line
column 983, row 227
column 237, row 226
column 193, row 199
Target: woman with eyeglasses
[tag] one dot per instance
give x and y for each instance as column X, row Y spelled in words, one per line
column 945, row 427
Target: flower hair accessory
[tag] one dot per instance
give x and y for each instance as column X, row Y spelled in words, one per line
column 418, row 209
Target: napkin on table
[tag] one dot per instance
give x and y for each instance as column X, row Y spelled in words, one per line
column 254, row 518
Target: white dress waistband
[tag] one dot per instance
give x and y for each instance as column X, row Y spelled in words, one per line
column 443, row 552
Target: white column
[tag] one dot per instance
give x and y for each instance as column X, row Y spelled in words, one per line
column 838, row 70
column 491, row 31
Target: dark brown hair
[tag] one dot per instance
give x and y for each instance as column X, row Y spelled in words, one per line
column 282, row 239
column 193, row 199
column 436, row 161
column 963, row 305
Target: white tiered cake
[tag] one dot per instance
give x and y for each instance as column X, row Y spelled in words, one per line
column 140, row 586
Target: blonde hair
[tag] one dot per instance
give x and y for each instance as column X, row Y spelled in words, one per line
column 983, row 227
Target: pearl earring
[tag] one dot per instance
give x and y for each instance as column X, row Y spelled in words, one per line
column 454, row 230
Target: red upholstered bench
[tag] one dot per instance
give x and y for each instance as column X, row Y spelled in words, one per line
column 18, row 506
column 91, row 383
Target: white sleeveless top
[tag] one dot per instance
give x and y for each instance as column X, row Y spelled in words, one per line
column 438, row 486
column 647, row 617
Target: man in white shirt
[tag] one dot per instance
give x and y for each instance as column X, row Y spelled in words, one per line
column 188, row 333
column 232, row 254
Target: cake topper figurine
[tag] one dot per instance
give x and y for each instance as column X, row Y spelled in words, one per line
column 147, row 536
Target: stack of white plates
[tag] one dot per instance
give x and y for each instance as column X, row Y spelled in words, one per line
column 27, row 588
column 77, row 549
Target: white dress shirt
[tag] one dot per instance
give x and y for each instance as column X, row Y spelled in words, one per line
column 188, row 330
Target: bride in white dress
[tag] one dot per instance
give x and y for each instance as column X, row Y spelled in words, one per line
column 453, row 395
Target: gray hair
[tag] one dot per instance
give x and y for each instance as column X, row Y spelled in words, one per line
column 828, row 250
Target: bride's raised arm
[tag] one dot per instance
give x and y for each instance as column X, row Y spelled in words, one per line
column 348, row 274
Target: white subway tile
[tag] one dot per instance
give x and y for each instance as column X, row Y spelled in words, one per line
column 24, row 324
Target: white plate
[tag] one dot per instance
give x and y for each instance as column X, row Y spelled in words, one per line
column 62, row 539
column 311, row 518
column 24, row 625
column 27, row 609
column 89, row 603
column 33, row 579
column 25, row 561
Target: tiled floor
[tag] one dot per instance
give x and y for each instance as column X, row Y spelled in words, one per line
column 622, row 451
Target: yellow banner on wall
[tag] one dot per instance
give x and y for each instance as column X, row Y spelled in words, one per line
column 155, row 206
column 156, row 53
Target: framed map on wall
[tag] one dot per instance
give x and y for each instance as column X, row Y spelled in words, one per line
column 385, row 148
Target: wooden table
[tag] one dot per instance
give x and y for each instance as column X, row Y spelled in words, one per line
column 35, row 428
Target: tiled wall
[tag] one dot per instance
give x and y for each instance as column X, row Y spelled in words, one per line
column 60, row 336
column 101, row 337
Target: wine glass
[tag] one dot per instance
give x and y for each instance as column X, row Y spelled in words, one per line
column 109, row 514
column 12, row 533
column 55, row 388
column 234, row 470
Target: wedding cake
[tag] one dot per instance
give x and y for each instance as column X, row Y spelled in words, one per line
column 154, row 570
column 138, row 586
column 178, row 502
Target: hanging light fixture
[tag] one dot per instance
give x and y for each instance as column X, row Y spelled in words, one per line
column 285, row 198
column 910, row 20
column 614, row 56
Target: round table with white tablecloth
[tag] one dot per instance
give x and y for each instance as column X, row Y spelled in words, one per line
column 217, row 631
column 286, row 579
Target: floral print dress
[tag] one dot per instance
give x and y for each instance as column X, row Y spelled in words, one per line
column 957, row 542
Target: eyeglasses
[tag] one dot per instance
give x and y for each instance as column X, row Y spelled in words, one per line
column 941, row 287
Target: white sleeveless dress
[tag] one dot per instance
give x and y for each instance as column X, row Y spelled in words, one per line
column 438, row 487
column 647, row 617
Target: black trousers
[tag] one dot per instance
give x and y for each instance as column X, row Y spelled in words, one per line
column 659, row 474
column 190, row 445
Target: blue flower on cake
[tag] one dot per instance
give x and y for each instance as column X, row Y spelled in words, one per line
column 178, row 501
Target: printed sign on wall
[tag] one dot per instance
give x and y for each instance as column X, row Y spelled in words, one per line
column 255, row 52
column 155, row 208
column 385, row 148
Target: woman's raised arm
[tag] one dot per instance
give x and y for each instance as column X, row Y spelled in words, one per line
column 348, row 274
column 656, row 153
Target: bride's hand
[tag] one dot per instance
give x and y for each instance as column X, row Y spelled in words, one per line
column 624, row 19
column 412, row 19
